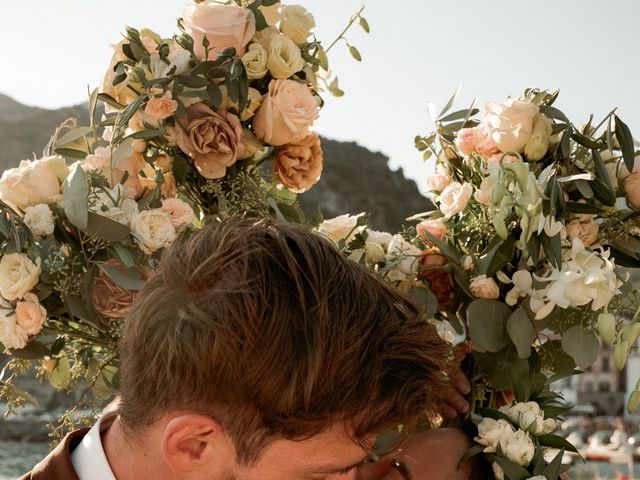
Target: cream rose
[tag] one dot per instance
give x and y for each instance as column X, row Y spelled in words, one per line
column 212, row 139
column 286, row 114
column 483, row 287
column 224, row 26
column 454, row 198
column 467, row 139
column 510, row 124
column 538, row 143
column 299, row 166
column 30, row 315
column 297, row 23
column 39, row 219
column 255, row 61
column 153, row 230
column 33, row 182
column 180, row 211
column 12, row 335
column 343, row 227
column 585, row 228
column 284, row 58
column 18, row 275
column 491, row 431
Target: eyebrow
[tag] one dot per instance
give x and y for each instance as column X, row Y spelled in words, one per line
column 333, row 470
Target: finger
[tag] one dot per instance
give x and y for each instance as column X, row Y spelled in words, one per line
column 460, row 381
column 452, row 398
column 448, row 412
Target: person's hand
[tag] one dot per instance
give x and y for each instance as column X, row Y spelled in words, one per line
column 453, row 401
column 430, row 455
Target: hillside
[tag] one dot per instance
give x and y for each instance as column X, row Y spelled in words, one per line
column 354, row 179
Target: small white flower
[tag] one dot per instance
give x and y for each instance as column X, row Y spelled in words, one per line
column 517, row 447
column 39, row 219
column 344, row 227
column 491, row 431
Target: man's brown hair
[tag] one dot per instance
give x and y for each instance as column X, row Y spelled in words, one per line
column 271, row 331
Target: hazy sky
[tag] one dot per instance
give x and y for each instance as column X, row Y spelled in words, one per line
column 418, row 50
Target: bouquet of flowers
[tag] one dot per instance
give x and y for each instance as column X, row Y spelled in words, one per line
column 525, row 258
column 215, row 120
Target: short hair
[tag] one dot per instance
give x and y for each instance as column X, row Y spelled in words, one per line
column 270, row 330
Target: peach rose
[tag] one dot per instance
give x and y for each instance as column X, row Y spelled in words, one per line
column 100, row 160
column 286, row 114
column 298, row 166
column 466, row 140
column 169, row 188
column 109, row 298
column 213, row 140
column 434, row 227
column 632, row 189
column 623, row 171
column 161, row 107
column 224, row 26
column 30, row 315
column 181, row 213
column 487, row 147
column 585, row 228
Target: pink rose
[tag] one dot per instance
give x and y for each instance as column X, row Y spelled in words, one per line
column 632, row 189
column 30, row 315
column 298, row 166
column 623, row 171
column 224, row 26
column 438, row 182
column 161, row 107
column 100, row 159
column 181, row 213
column 487, row 147
column 466, row 140
column 286, row 114
column 434, row 227
column 213, row 140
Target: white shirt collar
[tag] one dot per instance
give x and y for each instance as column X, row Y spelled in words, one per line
column 88, row 458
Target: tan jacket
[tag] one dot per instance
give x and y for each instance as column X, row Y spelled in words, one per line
column 57, row 465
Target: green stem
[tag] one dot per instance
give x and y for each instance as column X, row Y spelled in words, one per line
column 349, row 25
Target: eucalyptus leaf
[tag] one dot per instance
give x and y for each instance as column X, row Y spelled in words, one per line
column 486, row 320
column 581, row 345
column 521, row 331
column 428, row 299
column 122, row 279
column 76, row 199
column 554, row 113
column 73, row 135
column 60, row 377
column 34, row 350
column 105, row 228
column 122, row 151
column 71, row 153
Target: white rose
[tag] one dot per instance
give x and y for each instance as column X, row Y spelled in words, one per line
column 438, row 182
column 490, row 432
column 39, row 219
column 18, row 275
column 344, row 227
column 538, row 143
column 153, row 230
column 510, row 124
column 529, row 417
column 122, row 214
column 284, row 58
column 33, row 182
column 297, row 23
column 483, row 287
column 255, row 61
column 454, row 198
column 517, row 447
column 12, row 335
column 410, row 255
column 224, row 26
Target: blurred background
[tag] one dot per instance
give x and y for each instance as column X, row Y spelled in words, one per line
column 418, row 51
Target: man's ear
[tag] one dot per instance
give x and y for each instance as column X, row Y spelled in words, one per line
column 192, row 441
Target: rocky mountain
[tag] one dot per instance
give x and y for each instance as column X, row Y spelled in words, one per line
column 354, row 179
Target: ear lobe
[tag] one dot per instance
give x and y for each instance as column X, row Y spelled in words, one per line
column 191, row 442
